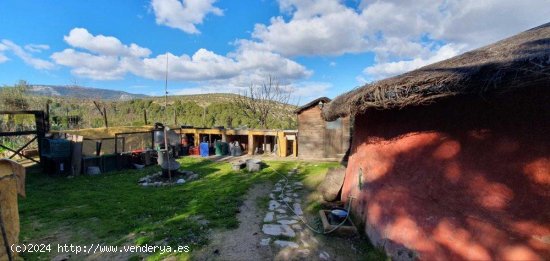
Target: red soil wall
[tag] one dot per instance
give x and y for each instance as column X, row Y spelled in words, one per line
column 464, row 178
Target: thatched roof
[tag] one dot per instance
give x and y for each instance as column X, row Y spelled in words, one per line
column 520, row 61
column 311, row 104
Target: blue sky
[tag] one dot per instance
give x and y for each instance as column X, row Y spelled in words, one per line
column 314, row 48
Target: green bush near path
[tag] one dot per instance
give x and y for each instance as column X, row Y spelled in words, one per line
column 112, row 209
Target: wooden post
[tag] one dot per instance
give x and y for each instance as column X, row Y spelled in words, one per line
column 197, row 138
column 175, row 118
column 40, row 132
column 76, row 162
column 105, row 117
column 295, row 147
column 145, row 116
column 282, row 145
column 47, row 117
column 250, row 144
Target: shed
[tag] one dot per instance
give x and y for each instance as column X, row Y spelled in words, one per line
column 452, row 160
column 317, row 138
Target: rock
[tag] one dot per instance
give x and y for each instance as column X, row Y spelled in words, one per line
column 324, row 256
column 265, row 241
column 271, row 196
column 273, row 205
column 253, row 165
column 269, row 217
column 62, row 257
column 281, row 211
column 332, row 184
column 287, row 222
column 236, row 166
column 281, row 217
column 283, row 243
column 298, row 209
column 180, row 181
column 298, row 183
column 303, row 253
column 278, row 230
column 277, row 189
column 297, row 227
column 145, row 184
column 287, row 199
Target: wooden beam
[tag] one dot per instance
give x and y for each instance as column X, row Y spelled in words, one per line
column 23, row 147
column 31, row 159
column 21, row 112
column 17, row 133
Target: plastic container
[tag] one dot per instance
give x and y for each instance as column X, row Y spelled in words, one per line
column 204, row 149
column 56, row 148
column 108, row 163
column 225, row 148
column 218, row 148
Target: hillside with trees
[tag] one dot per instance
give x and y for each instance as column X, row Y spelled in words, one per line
column 205, row 110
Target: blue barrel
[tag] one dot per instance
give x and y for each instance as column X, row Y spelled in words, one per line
column 204, row 149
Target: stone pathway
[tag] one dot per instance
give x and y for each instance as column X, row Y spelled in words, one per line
column 282, row 227
column 279, row 221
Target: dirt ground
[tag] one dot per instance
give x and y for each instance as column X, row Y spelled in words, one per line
column 242, row 243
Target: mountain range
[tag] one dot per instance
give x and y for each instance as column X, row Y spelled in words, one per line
column 81, row 92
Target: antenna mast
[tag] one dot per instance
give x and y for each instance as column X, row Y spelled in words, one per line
column 166, row 120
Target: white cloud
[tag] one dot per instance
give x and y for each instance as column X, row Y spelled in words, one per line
column 183, row 14
column 387, row 69
column 3, row 57
column 37, row 63
column 402, row 34
column 307, row 91
column 412, row 34
column 316, row 28
column 36, row 48
column 103, row 45
column 97, row 67
column 107, row 58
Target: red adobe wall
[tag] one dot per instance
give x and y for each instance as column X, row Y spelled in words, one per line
column 459, row 179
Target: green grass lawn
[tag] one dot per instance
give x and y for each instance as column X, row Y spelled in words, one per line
column 112, row 209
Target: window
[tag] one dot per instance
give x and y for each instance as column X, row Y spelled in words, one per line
column 334, row 125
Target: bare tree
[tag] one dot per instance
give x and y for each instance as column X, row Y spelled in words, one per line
column 259, row 102
column 103, row 113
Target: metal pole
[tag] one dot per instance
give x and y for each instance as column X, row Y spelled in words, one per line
column 166, row 120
